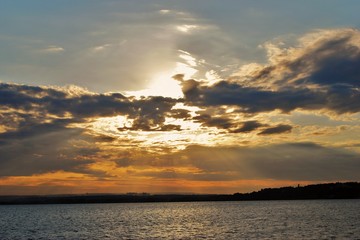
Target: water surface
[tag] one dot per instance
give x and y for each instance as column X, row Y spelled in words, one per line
column 312, row 219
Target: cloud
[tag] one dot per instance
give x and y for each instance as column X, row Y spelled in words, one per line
column 180, row 114
column 173, row 174
column 331, row 58
column 281, row 128
column 248, row 126
column 288, row 161
column 209, row 121
column 38, row 132
column 53, row 49
column 250, row 99
column 46, row 103
column 28, row 130
column 150, row 114
column 186, row 28
column 123, row 162
column 235, row 126
column 47, row 150
column 41, row 126
column 303, row 161
column 321, row 73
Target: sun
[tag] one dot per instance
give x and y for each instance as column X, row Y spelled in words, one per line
column 163, row 84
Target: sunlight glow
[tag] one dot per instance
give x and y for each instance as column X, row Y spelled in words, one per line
column 186, row 28
column 191, row 133
column 163, row 83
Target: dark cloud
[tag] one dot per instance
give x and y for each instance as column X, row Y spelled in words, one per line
column 248, row 126
column 319, row 74
column 43, row 103
column 123, row 162
column 209, row 121
column 290, row 161
column 254, row 100
column 304, row 161
column 104, row 138
column 281, row 128
column 150, row 113
column 239, row 127
column 46, row 151
column 59, row 102
column 180, row 114
column 34, row 129
column 39, row 138
column 233, row 126
column 150, row 126
column 334, row 60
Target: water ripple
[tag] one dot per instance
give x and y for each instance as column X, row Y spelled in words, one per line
column 320, row 219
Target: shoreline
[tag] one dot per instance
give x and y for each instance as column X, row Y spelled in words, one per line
column 349, row 190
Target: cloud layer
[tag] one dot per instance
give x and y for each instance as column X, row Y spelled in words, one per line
column 290, row 161
column 321, row 73
column 231, row 129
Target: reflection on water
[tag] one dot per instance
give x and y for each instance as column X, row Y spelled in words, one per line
column 318, row 219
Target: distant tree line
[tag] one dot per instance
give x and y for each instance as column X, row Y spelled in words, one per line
column 349, row 190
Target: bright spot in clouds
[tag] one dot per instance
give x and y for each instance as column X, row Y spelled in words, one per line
column 53, row 49
column 163, row 83
column 186, row 28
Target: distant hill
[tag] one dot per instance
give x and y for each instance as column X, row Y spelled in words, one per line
column 349, row 190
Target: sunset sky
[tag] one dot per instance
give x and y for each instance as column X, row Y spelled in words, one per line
column 182, row 96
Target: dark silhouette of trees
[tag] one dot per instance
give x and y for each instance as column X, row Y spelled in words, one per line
column 317, row 191
column 349, row 190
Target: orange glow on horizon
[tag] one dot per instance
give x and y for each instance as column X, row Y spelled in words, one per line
column 75, row 183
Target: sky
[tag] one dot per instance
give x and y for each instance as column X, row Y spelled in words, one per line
column 177, row 96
